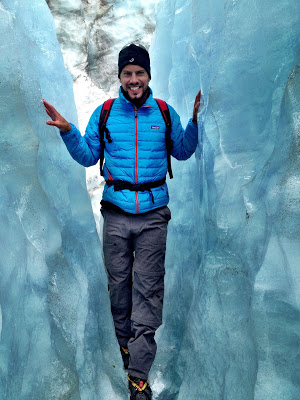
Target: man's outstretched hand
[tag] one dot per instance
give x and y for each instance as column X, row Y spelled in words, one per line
column 57, row 119
column 196, row 107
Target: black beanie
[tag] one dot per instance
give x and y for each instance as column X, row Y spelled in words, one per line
column 136, row 55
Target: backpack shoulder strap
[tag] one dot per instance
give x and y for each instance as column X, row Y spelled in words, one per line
column 107, row 105
column 164, row 109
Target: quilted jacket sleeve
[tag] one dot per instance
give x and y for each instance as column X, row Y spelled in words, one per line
column 84, row 149
column 184, row 141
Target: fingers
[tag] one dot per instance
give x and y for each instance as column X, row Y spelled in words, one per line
column 47, row 105
column 197, row 102
column 48, row 113
column 57, row 120
column 196, row 106
column 57, row 124
column 50, row 110
column 198, row 98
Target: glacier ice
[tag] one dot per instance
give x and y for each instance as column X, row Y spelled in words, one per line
column 53, row 296
column 91, row 34
column 235, row 328
column 231, row 314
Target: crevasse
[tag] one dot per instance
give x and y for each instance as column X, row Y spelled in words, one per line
column 231, row 317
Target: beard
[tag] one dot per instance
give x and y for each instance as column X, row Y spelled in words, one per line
column 137, row 102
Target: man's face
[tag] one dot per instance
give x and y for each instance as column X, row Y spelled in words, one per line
column 134, row 80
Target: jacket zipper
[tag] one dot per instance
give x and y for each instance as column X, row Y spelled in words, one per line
column 110, row 178
column 136, row 159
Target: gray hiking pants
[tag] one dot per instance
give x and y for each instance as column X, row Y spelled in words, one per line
column 134, row 249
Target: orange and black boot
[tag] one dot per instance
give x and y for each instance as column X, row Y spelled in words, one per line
column 139, row 389
column 125, row 357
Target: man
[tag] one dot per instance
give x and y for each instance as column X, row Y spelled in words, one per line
column 134, row 205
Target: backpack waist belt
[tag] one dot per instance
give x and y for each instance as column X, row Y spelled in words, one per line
column 136, row 187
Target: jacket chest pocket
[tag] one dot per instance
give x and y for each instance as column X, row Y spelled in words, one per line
column 122, row 138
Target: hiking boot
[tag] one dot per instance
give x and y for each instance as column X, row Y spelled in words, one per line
column 139, row 389
column 125, row 357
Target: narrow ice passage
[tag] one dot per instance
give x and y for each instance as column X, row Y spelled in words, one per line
column 231, row 317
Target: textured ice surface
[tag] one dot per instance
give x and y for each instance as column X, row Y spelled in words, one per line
column 92, row 32
column 55, row 325
column 231, row 319
column 232, row 326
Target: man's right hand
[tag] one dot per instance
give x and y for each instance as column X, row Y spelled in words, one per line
column 57, row 119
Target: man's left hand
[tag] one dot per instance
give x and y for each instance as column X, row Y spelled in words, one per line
column 196, row 107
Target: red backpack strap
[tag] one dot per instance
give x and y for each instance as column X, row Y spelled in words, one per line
column 164, row 109
column 105, row 111
column 107, row 105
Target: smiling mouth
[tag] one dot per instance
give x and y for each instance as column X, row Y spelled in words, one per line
column 135, row 88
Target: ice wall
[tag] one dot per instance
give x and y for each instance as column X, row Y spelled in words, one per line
column 232, row 326
column 92, row 33
column 55, row 326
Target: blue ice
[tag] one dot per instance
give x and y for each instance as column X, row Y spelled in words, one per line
column 231, row 319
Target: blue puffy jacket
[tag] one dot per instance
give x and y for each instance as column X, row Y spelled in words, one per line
column 137, row 152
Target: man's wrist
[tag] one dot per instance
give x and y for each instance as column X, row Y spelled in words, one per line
column 66, row 128
column 194, row 120
column 65, row 131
